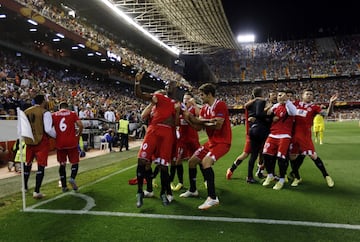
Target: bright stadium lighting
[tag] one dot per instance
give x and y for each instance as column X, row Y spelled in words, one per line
column 2, row 15
column 247, row 38
column 137, row 26
column 32, row 22
column 71, row 13
column 32, row 30
column 60, row 35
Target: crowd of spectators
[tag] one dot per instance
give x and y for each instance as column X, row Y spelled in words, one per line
column 291, row 65
column 104, row 39
column 326, row 57
column 22, row 77
column 347, row 88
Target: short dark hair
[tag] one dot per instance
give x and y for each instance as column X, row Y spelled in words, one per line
column 257, row 92
column 208, row 88
column 189, row 93
column 289, row 91
column 63, row 105
column 39, row 99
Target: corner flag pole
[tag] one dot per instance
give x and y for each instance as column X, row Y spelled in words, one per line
column 21, row 159
column 24, row 130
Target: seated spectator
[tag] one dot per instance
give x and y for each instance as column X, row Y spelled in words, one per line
column 108, row 137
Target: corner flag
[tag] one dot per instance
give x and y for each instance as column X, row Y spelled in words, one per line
column 24, row 130
column 23, row 125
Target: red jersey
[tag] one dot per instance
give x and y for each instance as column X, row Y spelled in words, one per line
column 186, row 131
column 165, row 107
column 283, row 127
column 220, row 110
column 64, row 123
column 305, row 113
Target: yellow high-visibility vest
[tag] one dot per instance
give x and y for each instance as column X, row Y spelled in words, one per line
column 123, row 126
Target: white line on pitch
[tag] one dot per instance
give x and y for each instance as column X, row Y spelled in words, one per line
column 178, row 217
column 84, row 186
column 201, row 218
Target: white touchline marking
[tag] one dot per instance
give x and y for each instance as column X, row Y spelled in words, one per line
column 87, row 198
column 91, row 203
column 200, row 218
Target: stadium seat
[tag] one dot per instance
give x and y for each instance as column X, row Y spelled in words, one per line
column 104, row 146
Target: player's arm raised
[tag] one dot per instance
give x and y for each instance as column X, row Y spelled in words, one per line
column 138, row 92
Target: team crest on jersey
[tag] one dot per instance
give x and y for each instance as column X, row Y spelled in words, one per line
column 144, row 146
column 143, row 154
column 301, row 113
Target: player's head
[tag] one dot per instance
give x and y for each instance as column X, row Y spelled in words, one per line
column 170, row 88
column 207, row 92
column 257, row 92
column 63, row 105
column 308, row 95
column 272, row 97
column 187, row 97
column 291, row 94
column 39, row 99
column 281, row 96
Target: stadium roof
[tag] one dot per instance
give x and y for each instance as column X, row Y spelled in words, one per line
column 191, row 26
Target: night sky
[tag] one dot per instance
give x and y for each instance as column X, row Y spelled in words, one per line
column 289, row 20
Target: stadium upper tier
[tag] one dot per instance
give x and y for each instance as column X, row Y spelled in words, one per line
column 312, row 58
column 51, row 21
column 293, row 60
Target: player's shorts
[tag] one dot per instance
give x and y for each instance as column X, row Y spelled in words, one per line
column 40, row 151
column 277, row 147
column 158, row 142
column 215, row 151
column 72, row 154
column 186, row 148
column 301, row 145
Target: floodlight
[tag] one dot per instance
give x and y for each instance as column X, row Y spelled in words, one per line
column 247, row 38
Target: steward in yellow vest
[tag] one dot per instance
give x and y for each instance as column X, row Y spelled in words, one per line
column 124, row 133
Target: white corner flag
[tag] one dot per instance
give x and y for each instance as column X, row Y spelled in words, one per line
column 24, row 130
column 23, row 125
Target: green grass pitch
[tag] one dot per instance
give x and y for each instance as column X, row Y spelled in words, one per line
column 104, row 208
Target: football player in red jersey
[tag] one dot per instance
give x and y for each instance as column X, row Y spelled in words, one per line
column 42, row 127
column 214, row 118
column 68, row 129
column 277, row 143
column 159, row 138
column 302, row 144
column 187, row 141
